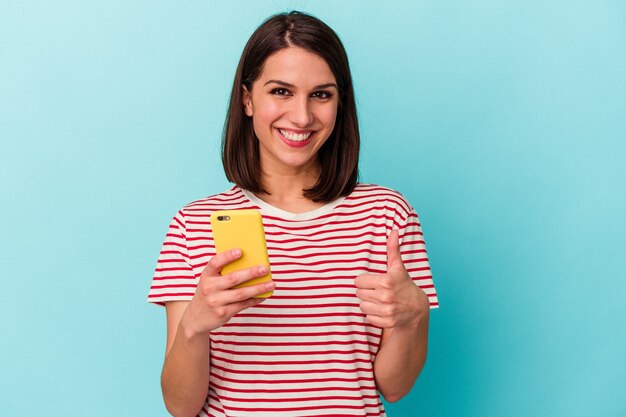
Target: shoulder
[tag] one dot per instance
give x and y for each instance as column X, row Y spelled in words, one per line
column 381, row 197
column 222, row 201
column 231, row 199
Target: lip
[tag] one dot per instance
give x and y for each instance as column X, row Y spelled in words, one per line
column 296, row 130
column 295, row 144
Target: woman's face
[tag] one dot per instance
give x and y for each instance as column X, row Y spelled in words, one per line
column 293, row 105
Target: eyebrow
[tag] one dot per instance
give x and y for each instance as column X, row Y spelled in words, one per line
column 286, row 84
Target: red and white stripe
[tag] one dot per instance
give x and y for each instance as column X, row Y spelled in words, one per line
column 307, row 350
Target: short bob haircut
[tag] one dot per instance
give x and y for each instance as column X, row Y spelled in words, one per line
column 339, row 156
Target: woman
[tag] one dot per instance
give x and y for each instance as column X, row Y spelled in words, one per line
column 347, row 320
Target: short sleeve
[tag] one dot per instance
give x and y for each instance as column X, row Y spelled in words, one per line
column 415, row 257
column 174, row 278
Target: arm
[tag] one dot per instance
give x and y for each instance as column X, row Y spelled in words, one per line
column 401, row 357
column 185, row 376
column 393, row 302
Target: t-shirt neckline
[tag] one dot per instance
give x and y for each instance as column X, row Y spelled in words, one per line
column 271, row 210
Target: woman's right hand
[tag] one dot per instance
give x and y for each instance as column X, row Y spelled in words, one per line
column 216, row 301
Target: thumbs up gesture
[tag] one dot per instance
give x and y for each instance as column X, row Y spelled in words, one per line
column 391, row 299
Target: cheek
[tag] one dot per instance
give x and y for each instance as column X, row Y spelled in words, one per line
column 268, row 110
column 328, row 116
column 264, row 116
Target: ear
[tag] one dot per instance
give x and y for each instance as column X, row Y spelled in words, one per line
column 247, row 101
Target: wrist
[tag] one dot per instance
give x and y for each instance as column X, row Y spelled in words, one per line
column 419, row 320
column 189, row 333
column 422, row 308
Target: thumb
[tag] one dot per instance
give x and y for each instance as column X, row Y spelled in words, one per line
column 394, row 260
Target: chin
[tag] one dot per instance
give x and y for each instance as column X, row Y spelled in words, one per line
column 296, row 164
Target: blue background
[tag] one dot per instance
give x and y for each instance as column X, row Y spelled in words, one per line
column 502, row 122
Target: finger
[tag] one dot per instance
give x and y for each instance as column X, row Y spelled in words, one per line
column 228, row 311
column 234, row 278
column 237, row 295
column 394, row 259
column 380, row 296
column 242, row 305
column 383, row 323
column 366, row 295
column 374, row 309
column 217, row 262
column 367, row 281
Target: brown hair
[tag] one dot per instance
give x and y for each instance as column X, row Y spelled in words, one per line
column 339, row 155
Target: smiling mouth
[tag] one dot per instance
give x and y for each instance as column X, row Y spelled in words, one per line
column 295, row 137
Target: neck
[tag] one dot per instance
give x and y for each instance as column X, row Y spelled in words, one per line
column 286, row 187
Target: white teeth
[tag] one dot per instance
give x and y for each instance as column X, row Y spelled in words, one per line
column 296, row 137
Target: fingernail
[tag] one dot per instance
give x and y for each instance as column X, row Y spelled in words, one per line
column 270, row 285
column 236, row 252
column 263, row 270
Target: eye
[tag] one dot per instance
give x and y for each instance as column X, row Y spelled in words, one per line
column 324, row 95
column 280, row 92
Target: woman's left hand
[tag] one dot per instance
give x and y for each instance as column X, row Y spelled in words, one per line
column 392, row 299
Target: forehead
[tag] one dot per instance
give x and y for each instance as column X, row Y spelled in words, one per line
column 297, row 66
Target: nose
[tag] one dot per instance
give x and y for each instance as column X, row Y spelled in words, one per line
column 301, row 112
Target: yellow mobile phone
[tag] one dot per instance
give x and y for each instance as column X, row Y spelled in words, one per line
column 242, row 229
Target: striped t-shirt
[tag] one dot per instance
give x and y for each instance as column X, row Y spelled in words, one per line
column 307, row 350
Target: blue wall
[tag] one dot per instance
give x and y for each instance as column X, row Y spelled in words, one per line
column 503, row 122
